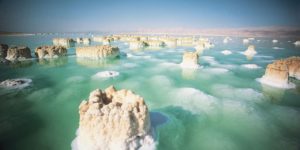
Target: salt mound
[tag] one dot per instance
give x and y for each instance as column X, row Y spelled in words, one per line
column 251, row 66
column 274, row 41
column 113, row 120
column 250, row 51
column 190, row 60
column 106, row 74
column 15, row 83
column 226, row 52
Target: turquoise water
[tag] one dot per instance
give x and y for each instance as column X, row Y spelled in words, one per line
column 220, row 106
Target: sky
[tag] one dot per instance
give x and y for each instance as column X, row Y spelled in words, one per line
column 131, row 15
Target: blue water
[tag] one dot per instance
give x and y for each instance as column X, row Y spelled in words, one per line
column 220, row 106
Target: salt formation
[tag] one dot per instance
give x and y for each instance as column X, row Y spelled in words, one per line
column 246, row 41
column 106, row 42
column 185, row 41
column 250, row 51
column 15, row 83
column 83, row 40
column 18, row 53
column 154, row 43
column 293, row 65
column 136, row 44
column 274, row 41
column 50, row 51
column 97, row 52
column 190, row 60
column 170, row 42
column 67, row 42
column 3, row 50
column 98, row 38
column 297, row 43
column 105, row 74
column 226, row 40
column 277, row 74
column 113, row 120
column 226, row 52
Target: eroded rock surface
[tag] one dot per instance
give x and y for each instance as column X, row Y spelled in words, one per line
column 97, row 52
column 111, row 120
column 50, row 51
column 18, row 53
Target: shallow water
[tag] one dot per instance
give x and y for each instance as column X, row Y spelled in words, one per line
column 219, row 106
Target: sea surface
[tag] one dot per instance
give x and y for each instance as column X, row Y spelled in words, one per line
column 219, row 106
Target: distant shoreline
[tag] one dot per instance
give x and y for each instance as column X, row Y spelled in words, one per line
column 238, row 32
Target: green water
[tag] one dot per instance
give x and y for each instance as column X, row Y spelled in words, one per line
column 220, row 106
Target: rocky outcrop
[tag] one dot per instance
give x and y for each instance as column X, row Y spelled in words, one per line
column 190, row 60
column 66, row 42
column 293, row 65
column 136, row 44
column 18, row 53
column 112, row 120
column 50, row 51
column 170, row 42
column 106, row 42
column 3, row 50
column 83, row 40
column 277, row 74
column 97, row 52
column 15, row 83
column 250, row 51
column 154, row 44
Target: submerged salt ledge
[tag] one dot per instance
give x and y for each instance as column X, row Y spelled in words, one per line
column 251, row 66
column 266, row 81
column 106, row 74
column 226, row 52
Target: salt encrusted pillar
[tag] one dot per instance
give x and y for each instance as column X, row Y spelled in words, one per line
column 113, row 120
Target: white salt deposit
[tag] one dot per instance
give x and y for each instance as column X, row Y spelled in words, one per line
column 105, row 74
column 251, row 66
column 226, row 52
column 289, row 85
column 277, row 48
